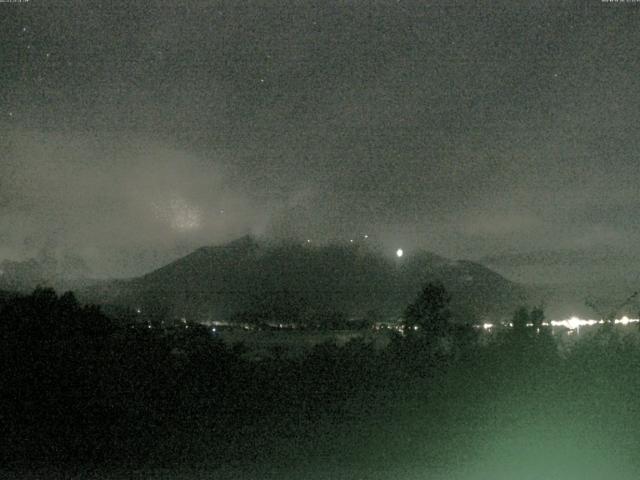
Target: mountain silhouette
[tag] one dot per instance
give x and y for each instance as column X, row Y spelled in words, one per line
column 247, row 275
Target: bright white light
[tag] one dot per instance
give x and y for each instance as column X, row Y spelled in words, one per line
column 574, row 323
column 624, row 320
column 487, row 326
column 399, row 253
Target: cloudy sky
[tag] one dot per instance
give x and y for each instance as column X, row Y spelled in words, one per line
column 133, row 132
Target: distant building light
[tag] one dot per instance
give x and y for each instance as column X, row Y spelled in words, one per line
column 624, row 320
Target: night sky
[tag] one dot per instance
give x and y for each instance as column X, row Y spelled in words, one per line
column 134, row 132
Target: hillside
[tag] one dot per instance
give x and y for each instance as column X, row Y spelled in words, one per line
column 219, row 282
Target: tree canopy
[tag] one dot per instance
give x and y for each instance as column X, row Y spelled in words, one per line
column 429, row 314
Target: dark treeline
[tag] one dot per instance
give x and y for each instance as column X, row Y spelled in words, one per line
column 79, row 388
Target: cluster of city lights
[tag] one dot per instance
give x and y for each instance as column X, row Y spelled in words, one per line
column 574, row 323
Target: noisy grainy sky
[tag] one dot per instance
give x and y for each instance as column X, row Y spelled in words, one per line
column 133, row 132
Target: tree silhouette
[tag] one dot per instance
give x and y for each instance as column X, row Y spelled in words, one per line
column 536, row 317
column 43, row 316
column 529, row 344
column 429, row 314
column 520, row 320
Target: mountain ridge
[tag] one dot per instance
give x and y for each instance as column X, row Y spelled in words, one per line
column 218, row 282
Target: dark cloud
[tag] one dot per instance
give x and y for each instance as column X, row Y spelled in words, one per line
column 103, row 200
column 468, row 128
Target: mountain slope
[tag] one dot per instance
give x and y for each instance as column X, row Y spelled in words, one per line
column 246, row 275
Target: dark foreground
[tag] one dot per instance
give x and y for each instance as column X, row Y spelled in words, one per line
column 85, row 400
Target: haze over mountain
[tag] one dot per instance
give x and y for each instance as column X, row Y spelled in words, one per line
column 246, row 275
column 605, row 264
column 568, row 280
column 564, row 281
column 60, row 271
